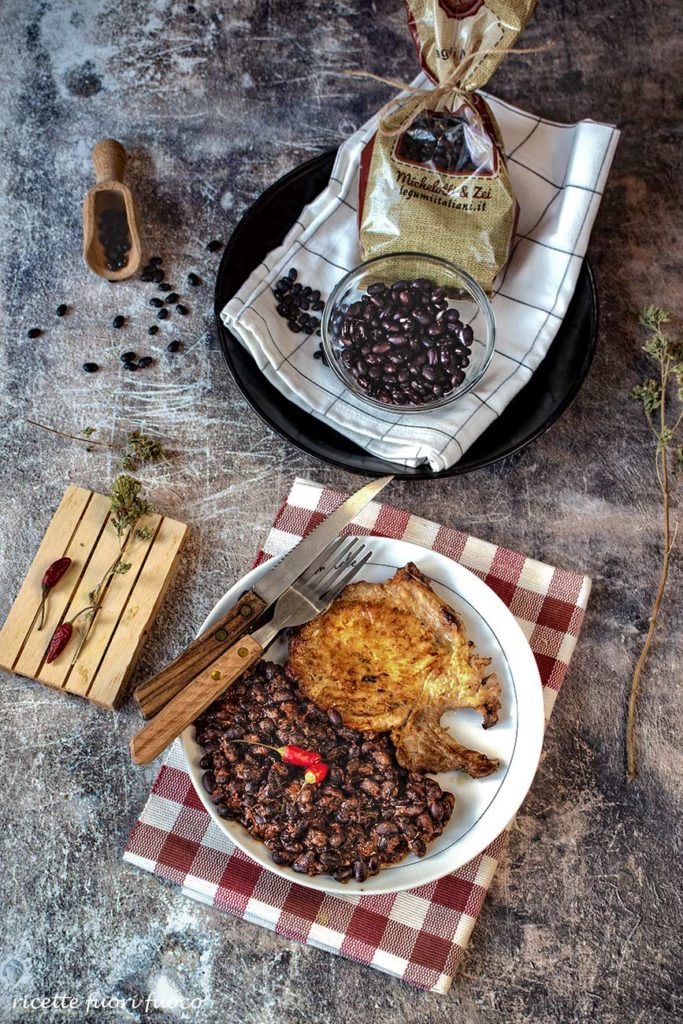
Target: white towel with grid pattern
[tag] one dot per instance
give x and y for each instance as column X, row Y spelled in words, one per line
column 558, row 172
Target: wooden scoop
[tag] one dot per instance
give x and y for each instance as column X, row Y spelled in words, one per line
column 110, row 223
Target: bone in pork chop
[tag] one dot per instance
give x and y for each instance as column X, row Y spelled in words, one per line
column 393, row 656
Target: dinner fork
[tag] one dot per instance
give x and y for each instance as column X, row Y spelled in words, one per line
column 310, row 594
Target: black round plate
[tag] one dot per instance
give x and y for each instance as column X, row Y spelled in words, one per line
column 552, row 387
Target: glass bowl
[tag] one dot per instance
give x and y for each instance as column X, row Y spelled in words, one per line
column 397, row 329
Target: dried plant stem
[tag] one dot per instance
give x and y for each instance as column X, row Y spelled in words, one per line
column 98, row 594
column 71, row 437
column 635, row 681
column 653, row 395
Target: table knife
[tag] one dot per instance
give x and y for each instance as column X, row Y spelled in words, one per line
column 308, row 596
column 153, row 694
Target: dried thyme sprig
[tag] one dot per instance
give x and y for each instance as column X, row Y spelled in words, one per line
column 655, row 395
column 139, row 448
column 128, row 507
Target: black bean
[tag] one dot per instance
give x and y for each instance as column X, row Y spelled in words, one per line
column 164, row 286
column 126, row 356
column 34, row 332
column 157, row 303
column 145, row 361
column 360, row 870
column 173, row 346
column 153, row 329
column 292, row 275
column 214, row 245
column 154, row 261
column 334, row 717
column 157, row 276
column 62, row 309
column 118, row 321
column 130, row 365
column 183, row 310
column 90, row 367
column 294, row 326
column 171, row 297
column 162, row 314
column 194, row 280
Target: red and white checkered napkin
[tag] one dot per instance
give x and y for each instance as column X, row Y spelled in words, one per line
column 420, row 935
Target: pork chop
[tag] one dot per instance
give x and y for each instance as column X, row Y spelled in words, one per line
column 394, row 657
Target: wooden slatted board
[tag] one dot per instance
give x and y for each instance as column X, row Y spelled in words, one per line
column 80, row 528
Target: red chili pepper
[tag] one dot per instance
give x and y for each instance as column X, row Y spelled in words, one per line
column 291, row 754
column 54, row 572
column 316, row 773
column 51, row 576
column 299, row 756
column 60, row 639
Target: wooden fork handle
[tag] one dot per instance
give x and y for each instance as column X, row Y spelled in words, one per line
column 156, row 692
column 188, row 705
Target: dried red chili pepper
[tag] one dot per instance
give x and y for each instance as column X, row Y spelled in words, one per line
column 51, row 576
column 62, row 635
column 60, row 639
column 291, row 754
column 316, row 773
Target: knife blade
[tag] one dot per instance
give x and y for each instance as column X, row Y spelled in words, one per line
column 153, row 694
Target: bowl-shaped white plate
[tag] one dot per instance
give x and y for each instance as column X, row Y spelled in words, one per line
column 483, row 807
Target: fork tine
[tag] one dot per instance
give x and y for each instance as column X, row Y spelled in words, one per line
column 322, row 559
column 332, row 554
column 320, row 583
column 339, row 583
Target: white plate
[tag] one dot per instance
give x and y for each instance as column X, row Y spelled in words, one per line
column 483, row 807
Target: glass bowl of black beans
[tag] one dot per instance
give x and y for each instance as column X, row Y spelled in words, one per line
column 408, row 331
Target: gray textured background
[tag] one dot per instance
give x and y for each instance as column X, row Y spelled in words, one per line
column 583, row 922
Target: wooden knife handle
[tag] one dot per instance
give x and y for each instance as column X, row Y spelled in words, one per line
column 194, row 698
column 154, row 694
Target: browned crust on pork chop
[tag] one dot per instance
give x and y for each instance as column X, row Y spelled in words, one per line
column 394, row 657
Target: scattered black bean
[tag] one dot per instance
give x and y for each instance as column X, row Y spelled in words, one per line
column 171, row 297
column 90, row 367
column 293, row 302
column 164, row 286
column 163, row 314
column 183, row 310
column 173, row 346
column 145, row 361
column 62, row 309
column 214, row 245
column 154, row 261
column 118, row 321
column 126, row 357
column 34, row 332
column 130, row 365
column 194, row 280
column 146, row 275
column 153, row 329
column 157, row 303
column 402, row 342
column 157, row 276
